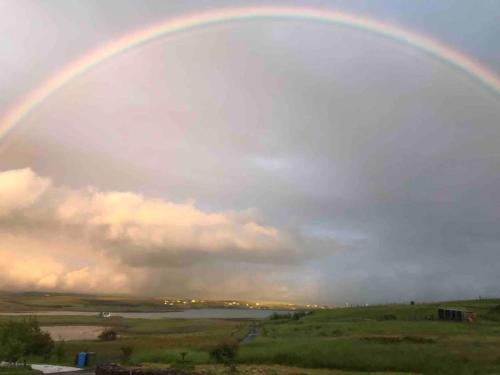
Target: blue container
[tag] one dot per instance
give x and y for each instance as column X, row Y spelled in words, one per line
column 81, row 360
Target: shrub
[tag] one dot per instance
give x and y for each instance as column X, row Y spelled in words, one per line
column 108, row 335
column 182, row 363
column 126, row 354
column 299, row 314
column 264, row 331
column 337, row 332
column 495, row 309
column 294, row 316
column 13, row 350
column 287, row 359
column 276, row 316
column 61, row 351
column 23, row 338
column 168, row 356
column 42, row 344
column 225, row 353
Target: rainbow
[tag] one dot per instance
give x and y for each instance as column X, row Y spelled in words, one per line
column 189, row 22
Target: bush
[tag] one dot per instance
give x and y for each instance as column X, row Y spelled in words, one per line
column 299, row 314
column 108, row 335
column 294, row 316
column 19, row 339
column 168, row 356
column 495, row 310
column 337, row 332
column 276, row 316
column 61, row 351
column 42, row 344
column 264, row 331
column 126, row 354
column 287, row 359
column 182, row 363
column 225, row 353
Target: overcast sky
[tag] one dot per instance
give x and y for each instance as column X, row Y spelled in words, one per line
column 266, row 159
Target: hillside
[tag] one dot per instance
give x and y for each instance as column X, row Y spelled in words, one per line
column 385, row 338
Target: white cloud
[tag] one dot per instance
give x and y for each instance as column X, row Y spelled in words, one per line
column 20, row 189
column 59, row 238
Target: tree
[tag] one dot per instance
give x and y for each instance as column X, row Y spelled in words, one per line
column 19, row 339
column 13, row 349
column 41, row 344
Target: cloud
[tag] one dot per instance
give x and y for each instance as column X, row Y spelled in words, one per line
column 52, row 263
column 20, row 189
column 61, row 238
column 130, row 221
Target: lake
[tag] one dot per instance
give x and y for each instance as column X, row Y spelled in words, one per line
column 182, row 314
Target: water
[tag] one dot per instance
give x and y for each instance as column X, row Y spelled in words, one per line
column 183, row 314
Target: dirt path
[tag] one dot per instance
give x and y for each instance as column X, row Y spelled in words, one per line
column 252, row 334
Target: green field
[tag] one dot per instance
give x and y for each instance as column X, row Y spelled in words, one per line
column 388, row 338
column 384, row 338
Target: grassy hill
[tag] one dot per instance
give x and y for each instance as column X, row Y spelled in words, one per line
column 384, row 338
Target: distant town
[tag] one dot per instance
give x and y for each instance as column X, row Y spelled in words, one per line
column 199, row 303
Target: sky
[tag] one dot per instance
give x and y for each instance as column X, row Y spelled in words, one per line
column 281, row 160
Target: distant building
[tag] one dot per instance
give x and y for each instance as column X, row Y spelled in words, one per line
column 455, row 314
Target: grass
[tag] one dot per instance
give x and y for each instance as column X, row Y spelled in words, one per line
column 162, row 340
column 361, row 339
column 170, row 356
column 346, row 340
column 18, row 371
column 277, row 370
column 347, row 354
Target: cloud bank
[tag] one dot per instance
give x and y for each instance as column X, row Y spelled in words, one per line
column 60, row 238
